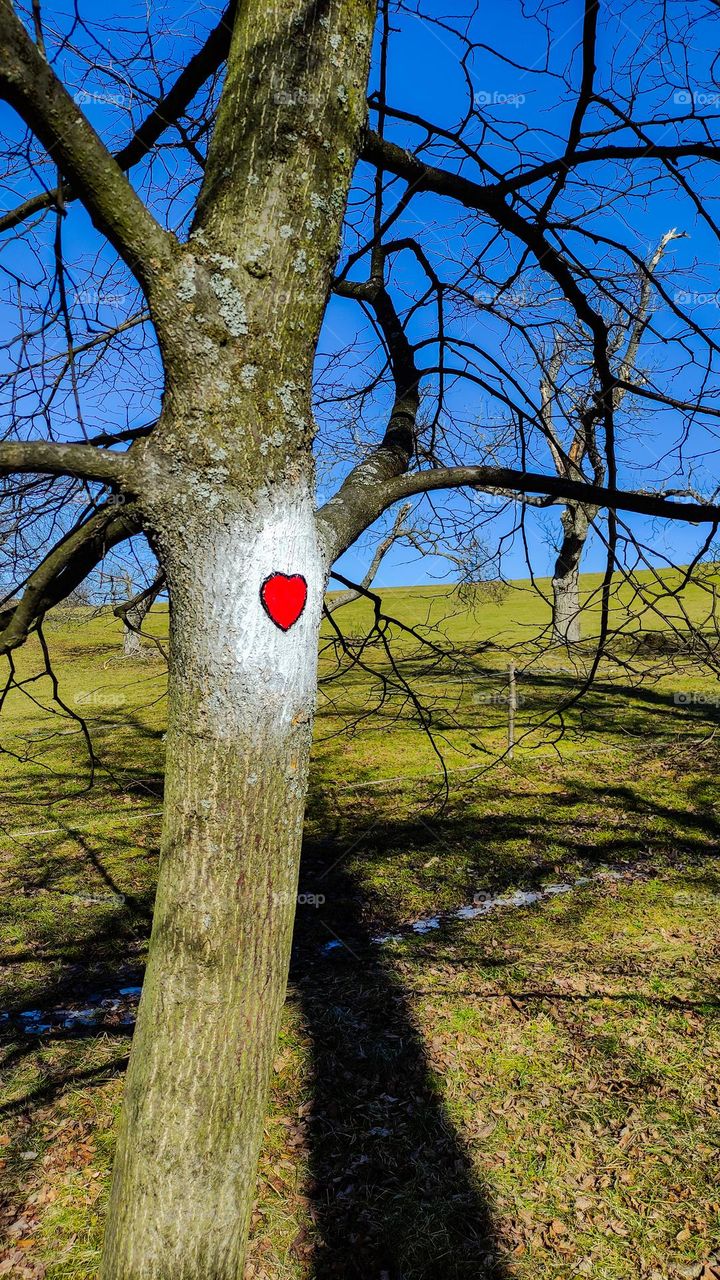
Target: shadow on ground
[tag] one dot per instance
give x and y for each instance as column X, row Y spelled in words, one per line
column 395, row 1194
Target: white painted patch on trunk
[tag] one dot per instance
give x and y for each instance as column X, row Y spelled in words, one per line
column 247, row 671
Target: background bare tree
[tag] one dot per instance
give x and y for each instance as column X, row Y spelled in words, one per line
column 569, row 450
column 133, row 612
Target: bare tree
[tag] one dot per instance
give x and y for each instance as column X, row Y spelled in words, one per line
column 133, row 611
column 568, row 456
column 225, row 251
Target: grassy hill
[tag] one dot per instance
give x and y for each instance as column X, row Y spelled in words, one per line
column 525, row 1087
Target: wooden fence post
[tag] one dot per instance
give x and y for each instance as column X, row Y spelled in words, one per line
column 512, row 708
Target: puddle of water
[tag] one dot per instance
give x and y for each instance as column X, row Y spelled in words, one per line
column 424, row 926
column 485, row 903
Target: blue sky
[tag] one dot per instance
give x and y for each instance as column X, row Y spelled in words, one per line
column 425, row 78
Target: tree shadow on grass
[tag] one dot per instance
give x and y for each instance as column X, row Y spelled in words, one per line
column 57, row 1085
column 395, row 1193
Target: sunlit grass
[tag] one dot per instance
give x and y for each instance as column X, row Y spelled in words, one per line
column 552, row 1068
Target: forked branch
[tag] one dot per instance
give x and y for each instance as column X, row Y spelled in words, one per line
column 166, row 113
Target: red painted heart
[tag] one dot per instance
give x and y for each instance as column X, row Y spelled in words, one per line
column 283, row 598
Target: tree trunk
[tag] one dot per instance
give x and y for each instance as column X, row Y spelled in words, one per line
column 576, row 522
column 225, row 485
column 239, row 733
column 566, row 607
column 132, row 644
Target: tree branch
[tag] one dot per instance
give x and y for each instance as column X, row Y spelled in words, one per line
column 667, row 153
column 30, row 85
column 168, row 111
column 584, row 99
column 638, row 326
column 355, row 593
column 63, row 569
column 45, row 458
column 363, row 498
column 378, row 150
column 132, row 612
column 394, row 454
column 489, row 200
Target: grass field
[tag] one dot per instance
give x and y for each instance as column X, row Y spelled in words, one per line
column 527, row 1088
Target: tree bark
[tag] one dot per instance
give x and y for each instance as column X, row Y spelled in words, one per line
column 225, row 484
column 239, row 733
column 576, row 521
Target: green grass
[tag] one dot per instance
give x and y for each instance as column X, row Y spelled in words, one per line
column 533, row 1093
